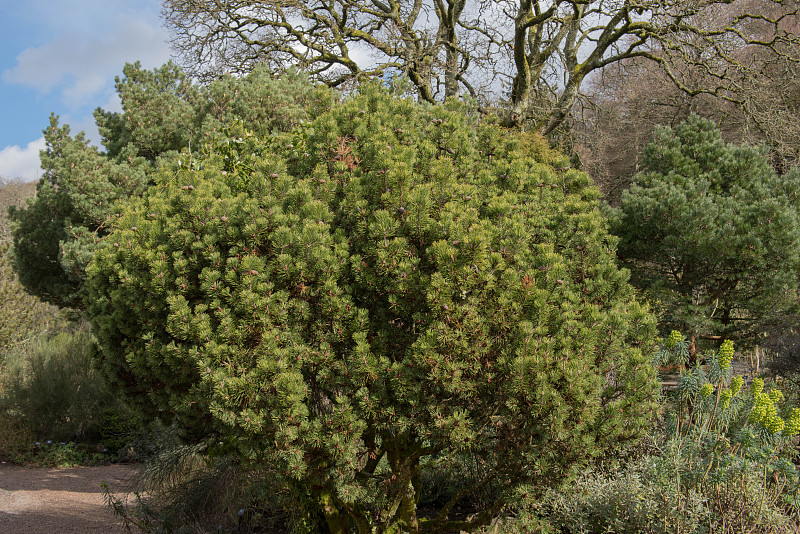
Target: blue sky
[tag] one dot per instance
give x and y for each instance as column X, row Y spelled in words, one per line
column 61, row 56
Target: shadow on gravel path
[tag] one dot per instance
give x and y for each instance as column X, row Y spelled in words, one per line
column 60, row 500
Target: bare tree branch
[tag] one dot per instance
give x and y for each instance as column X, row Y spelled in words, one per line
column 544, row 49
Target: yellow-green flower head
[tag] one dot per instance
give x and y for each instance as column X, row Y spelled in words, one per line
column 725, row 397
column 770, row 411
column 775, row 424
column 725, row 354
column 776, row 395
column 736, row 384
column 761, row 409
column 757, row 415
column 674, row 338
column 766, row 414
column 706, row 390
column 792, row 427
column 756, row 387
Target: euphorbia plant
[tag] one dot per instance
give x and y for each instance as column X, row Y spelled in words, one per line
column 409, row 284
column 727, row 439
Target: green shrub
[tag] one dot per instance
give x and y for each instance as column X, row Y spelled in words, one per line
column 65, row 454
column 12, row 193
column 16, row 439
column 188, row 490
column 649, row 496
column 629, row 500
column 664, row 494
column 732, row 445
column 722, row 463
column 22, row 316
column 118, row 429
column 55, row 233
column 51, row 384
column 405, row 285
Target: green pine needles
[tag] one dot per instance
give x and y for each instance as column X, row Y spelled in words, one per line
column 392, row 284
column 710, row 232
column 164, row 113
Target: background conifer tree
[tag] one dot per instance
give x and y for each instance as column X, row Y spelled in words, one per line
column 711, row 232
column 55, row 234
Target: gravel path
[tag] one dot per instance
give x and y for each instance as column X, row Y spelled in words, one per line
column 60, row 500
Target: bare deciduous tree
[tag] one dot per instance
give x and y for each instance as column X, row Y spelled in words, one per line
column 759, row 99
column 335, row 40
column 539, row 52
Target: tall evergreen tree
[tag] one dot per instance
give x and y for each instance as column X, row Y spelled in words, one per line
column 400, row 287
column 712, row 233
column 160, row 109
column 55, row 235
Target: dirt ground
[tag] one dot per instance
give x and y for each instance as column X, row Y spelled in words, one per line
column 60, row 500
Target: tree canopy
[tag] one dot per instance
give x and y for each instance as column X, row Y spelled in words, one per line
column 163, row 112
column 712, row 232
column 755, row 102
column 55, row 234
column 401, row 285
column 538, row 52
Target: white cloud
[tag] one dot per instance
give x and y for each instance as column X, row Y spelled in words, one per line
column 88, row 85
column 114, row 103
column 83, row 68
column 23, row 163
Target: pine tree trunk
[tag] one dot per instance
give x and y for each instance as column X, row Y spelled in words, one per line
column 337, row 523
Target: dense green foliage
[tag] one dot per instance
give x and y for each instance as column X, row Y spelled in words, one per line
column 724, row 461
column 163, row 113
column 711, row 232
column 398, row 285
column 52, row 385
column 55, row 234
column 12, row 193
column 381, row 316
column 22, row 316
column 24, row 321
